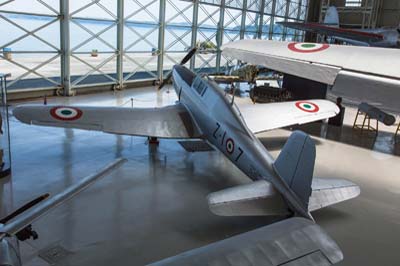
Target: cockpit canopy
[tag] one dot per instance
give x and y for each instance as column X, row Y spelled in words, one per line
column 199, row 85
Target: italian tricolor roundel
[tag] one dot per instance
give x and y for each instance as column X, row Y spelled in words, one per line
column 307, row 107
column 230, row 145
column 65, row 113
column 303, row 47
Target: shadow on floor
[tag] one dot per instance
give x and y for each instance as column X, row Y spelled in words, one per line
column 382, row 142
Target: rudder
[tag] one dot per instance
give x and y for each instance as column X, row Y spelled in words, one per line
column 332, row 17
column 295, row 164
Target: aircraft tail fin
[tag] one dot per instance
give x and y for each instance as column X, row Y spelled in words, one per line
column 295, row 164
column 332, row 17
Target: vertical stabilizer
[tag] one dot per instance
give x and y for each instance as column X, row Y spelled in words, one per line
column 332, row 17
column 295, row 164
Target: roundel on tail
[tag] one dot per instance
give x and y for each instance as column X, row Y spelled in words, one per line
column 303, row 47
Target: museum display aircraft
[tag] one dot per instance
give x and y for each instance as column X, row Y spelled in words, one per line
column 380, row 37
column 284, row 187
column 359, row 73
column 17, row 226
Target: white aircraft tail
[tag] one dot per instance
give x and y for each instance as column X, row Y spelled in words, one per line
column 332, row 17
column 295, row 164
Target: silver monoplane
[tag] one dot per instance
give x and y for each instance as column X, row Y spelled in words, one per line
column 282, row 187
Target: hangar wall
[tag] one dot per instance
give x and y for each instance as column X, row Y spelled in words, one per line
column 360, row 13
column 354, row 13
column 69, row 46
column 389, row 15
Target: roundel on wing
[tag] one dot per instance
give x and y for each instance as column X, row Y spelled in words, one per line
column 66, row 113
column 303, row 47
column 307, row 106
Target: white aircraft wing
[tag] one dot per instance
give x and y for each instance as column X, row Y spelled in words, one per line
column 268, row 116
column 292, row 242
column 166, row 122
column 351, row 70
column 315, row 61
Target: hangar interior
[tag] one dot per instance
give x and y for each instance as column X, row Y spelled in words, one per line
column 116, row 53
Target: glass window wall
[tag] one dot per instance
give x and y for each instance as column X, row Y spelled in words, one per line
column 71, row 45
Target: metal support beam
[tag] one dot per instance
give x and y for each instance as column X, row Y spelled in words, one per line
column 296, row 33
column 120, row 44
column 65, row 49
column 261, row 20
column 286, row 19
column 161, row 36
column 243, row 23
column 272, row 22
column 194, row 32
column 220, row 34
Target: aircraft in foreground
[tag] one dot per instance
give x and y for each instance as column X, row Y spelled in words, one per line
column 284, row 187
column 381, row 37
column 17, row 226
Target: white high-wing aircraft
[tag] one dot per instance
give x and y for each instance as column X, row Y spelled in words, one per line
column 283, row 187
column 380, row 37
column 359, row 73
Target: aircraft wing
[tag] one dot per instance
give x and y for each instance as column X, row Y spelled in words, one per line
column 268, row 116
column 166, row 122
column 319, row 62
column 292, row 242
column 353, row 71
column 348, row 34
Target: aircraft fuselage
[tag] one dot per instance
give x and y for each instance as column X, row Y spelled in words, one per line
column 222, row 126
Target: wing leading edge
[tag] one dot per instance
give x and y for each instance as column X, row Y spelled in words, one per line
column 166, row 122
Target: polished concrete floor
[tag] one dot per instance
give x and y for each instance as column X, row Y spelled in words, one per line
column 154, row 206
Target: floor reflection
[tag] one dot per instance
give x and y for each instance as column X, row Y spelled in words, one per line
column 382, row 142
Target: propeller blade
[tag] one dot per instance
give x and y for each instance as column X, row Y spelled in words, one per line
column 188, row 56
column 165, row 81
column 25, row 207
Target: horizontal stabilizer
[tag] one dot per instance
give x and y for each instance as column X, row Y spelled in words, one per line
column 292, row 242
column 255, row 198
column 326, row 192
column 260, row 198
